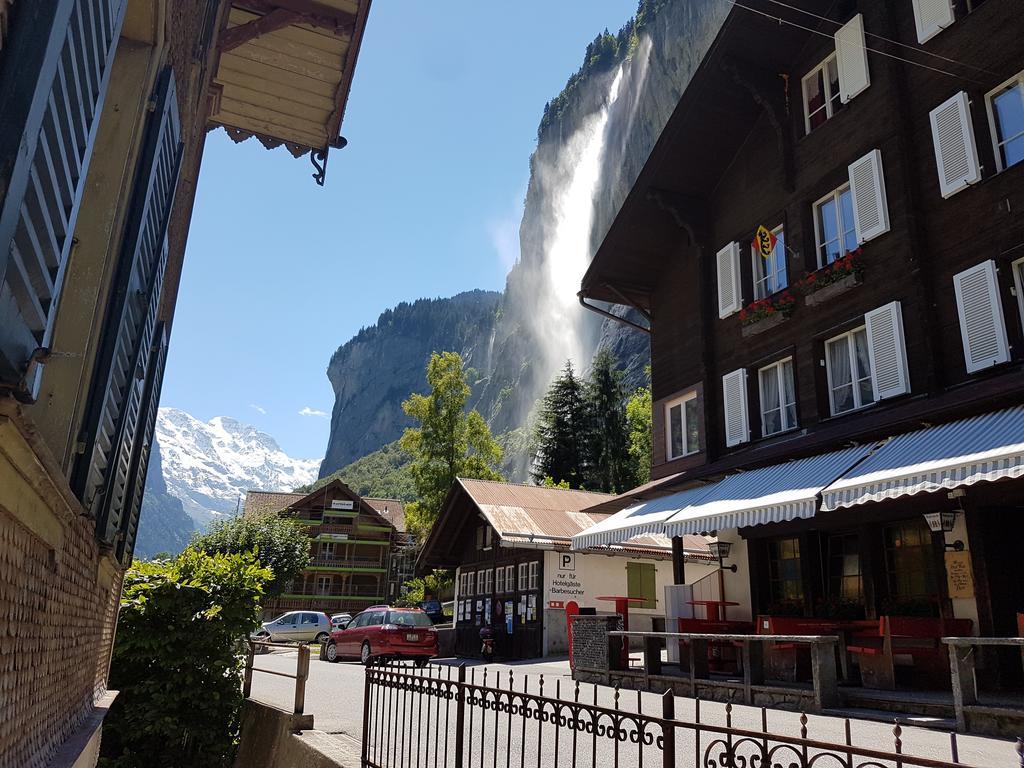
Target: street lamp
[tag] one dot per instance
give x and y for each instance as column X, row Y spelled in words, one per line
column 720, row 550
column 943, row 522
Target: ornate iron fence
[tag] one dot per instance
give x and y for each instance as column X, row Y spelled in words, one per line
column 444, row 716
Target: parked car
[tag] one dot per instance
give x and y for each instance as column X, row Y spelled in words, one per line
column 296, row 627
column 340, row 620
column 384, row 632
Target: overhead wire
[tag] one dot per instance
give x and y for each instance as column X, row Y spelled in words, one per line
column 780, row 20
column 908, row 46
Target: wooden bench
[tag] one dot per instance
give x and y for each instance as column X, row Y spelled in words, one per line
column 791, row 661
column 905, row 641
column 723, row 656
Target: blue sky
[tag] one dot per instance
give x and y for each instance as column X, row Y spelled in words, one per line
column 425, row 201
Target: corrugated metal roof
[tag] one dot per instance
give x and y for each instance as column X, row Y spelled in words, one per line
column 767, row 495
column 263, row 502
column 983, row 448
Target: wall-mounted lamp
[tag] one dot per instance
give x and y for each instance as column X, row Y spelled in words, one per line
column 720, row 551
column 943, row 522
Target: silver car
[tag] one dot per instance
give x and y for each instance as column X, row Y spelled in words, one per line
column 296, row 627
column 340, row 620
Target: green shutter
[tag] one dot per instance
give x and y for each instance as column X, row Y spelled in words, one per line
column 641, row 581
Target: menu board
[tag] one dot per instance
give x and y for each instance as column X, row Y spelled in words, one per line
column 959, row 575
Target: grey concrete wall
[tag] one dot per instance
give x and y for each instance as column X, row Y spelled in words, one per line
column 273, row 738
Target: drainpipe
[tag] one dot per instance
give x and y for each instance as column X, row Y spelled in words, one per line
column 609, row 315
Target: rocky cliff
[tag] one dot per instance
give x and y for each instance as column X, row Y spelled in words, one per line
column 163, row 524
column 593, row 140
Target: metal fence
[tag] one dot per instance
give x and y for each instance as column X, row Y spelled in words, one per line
column 300, row 676
column 459, row 717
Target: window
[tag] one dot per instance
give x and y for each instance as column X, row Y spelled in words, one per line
column 522, row 577
column 1006, row 118
column 489, row 581
column 778, row 397
column 533, row 575
column 682, row 427
column 785, row 578
column 849, row 372
column 470, row 578
column 641, row 581
column 310, row 618
column 327, row 550
column 323, row 585
column 821, row 93
column 770, row 274
column 835, row 229
column 488, row 538
column 509, row 580
column 844, row 573
column 910, row 565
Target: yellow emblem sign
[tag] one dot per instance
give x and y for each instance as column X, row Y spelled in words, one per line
column 764, row 242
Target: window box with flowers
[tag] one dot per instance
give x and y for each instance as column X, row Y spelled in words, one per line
column 766, row 313
column 833, row 279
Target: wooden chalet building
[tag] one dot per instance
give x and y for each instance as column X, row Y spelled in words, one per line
column 353, row 542
column 509, row 545
column 104, row 110
column 827, row 245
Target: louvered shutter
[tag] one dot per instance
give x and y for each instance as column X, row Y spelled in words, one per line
column 734, row 401
column 729, row 297
column 870, row 206
column 58, row 58
column 142, row 447
column 852, row 59
column 956, row 155
column 103, row 470
column 982, row 327
column 887, row 351
column 931, row 17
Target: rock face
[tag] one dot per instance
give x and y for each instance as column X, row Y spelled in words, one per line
column 588, row 156
column 163, row 524
column 210, row 465
column 381, row 365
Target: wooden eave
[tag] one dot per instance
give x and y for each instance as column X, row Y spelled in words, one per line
column 668, row 203
column 285, row 69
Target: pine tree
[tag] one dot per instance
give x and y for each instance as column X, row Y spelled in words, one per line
column 561, row 432
column 612, row 468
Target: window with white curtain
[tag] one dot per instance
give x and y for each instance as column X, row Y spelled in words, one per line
column 849, row 371
column 770, row 274
column 821, row 93
column 778, row 397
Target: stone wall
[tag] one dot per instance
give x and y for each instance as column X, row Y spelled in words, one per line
column 590, row 642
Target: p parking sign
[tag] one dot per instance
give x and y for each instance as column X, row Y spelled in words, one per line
column 566, row 561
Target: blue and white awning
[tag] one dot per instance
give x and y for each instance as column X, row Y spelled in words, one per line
column 644, row 517
column 768, row 495
column 983, row 448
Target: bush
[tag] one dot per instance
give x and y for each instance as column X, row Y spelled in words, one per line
column 281, row 545
column 178, row 661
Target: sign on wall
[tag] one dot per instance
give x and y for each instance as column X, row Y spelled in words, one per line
column 566, row 583
column 342, row 504
column 333, row 537
column 959, row 575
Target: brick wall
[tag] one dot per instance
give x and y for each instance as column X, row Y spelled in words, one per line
column 56, row 625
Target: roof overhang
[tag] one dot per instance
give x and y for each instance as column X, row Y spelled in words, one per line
column 284, row 73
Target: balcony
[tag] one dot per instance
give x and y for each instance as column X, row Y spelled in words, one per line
column 347, row 563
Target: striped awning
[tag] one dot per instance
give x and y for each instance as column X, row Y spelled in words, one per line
column 645, row 517
column 983, row 448
column 767, row 495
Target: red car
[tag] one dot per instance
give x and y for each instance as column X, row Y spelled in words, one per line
column 384, row 632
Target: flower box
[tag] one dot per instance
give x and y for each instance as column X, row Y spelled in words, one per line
column 764, row 324
column 830, row 291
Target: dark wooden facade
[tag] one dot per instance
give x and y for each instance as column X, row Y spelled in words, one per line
column 737, row 154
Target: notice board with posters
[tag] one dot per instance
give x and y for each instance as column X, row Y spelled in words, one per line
column 959, row 575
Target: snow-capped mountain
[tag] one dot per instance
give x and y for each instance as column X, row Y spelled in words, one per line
column 210, row 465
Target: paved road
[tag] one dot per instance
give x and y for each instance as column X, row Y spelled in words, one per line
column 334, row 696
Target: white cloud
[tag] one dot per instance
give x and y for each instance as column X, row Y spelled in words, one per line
column 258, row 408
column 307, row 411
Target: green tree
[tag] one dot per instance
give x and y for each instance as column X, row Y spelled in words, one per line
column 434, row 584
column 280, row 544
column 176, row 661
column 611, row 467
column 561, row 432
column 638, row 417
column 448, row 443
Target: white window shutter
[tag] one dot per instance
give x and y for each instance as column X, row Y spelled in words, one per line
column 982, row 327
column 931, row 17
column 870, row 207
column 956, row 155
column 887, row 351
column 729, row 297
column 734, row 399
column 852, row 59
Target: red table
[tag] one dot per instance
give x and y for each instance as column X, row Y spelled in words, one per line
column 715, row 609
column 622, row 608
